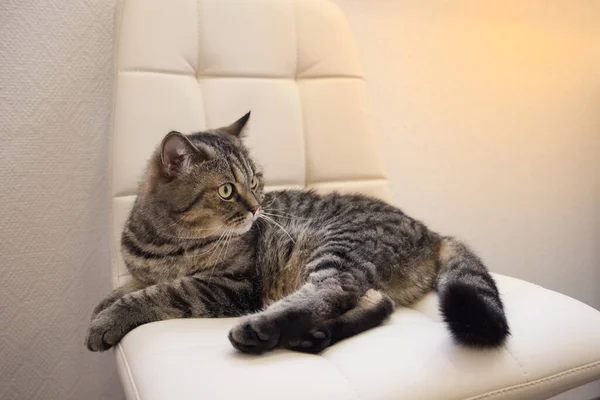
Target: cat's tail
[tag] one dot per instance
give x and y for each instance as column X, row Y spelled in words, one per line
column 469, row 300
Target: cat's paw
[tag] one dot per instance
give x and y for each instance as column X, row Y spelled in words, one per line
column 106, row 303
column 103, row 333
column 313, row 341
column 255, row 335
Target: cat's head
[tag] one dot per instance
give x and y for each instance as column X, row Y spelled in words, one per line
column 205, row 182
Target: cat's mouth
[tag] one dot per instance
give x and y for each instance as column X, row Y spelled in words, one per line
column 242, row 225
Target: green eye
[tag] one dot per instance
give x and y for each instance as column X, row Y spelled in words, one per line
column 225, row 191
column 254, row 183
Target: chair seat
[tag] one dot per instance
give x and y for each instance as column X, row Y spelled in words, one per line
column 555, row 346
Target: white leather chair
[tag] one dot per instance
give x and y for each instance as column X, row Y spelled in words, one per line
column 190, row 64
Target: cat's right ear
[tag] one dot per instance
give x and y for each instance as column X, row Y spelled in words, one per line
column 178, row 154
column 237, row 127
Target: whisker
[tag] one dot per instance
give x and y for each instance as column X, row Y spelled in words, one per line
column 219, row 242
column 258, row 226
column 280, row 227
column 196, row 254
column 213, row 248
column 210, row 231
column 282, row 216
column 227, row 241
column 271, row 202
column 175, row 222
column 212, row 270
column 280, row 213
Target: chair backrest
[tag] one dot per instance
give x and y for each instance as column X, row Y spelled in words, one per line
column 191, row 64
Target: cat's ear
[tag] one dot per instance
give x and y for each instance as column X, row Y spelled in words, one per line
column 236, row 128
column 178, row 154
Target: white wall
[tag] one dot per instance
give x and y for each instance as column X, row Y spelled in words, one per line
column 489, row 116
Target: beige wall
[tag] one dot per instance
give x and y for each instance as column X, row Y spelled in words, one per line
column 488, row 124
column 489, row 116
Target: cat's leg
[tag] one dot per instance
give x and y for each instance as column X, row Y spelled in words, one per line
column 372, row 310
column 115, row 295
column 330, row 291
column 194, row 296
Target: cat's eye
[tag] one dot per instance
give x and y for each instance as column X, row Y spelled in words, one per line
column 226, row 191
column 254, row 183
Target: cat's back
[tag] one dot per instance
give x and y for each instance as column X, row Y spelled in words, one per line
column 333, row 207
column 304, row 221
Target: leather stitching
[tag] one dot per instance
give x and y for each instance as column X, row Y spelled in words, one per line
column 287, row 185
column 300, row 108
column 129, row 374
column 352, row 388
column 534, row 383
column 197, row 72
column 211, row 76
column 349, row 180
column 158, row 72
column 523, row 371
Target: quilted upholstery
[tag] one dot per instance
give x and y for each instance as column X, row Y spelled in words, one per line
column 193, row 65
column 554, row 347
column 190, row 64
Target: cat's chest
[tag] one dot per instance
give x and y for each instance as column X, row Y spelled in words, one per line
column 286, row 272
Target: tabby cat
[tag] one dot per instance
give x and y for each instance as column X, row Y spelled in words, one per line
column 307, row 270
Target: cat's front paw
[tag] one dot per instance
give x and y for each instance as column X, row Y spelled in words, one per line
column 103, row 333
column 255, row 335
column 313, row 341
column 106, row 303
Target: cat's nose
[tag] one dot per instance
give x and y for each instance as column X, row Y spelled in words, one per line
column 254, row 210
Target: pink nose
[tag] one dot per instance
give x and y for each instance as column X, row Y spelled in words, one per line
column 254, row 209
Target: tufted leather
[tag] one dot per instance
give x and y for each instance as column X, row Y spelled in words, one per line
column 554, row 347
column 191, row 64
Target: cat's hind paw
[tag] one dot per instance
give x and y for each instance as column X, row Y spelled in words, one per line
column 313, row 341
column 255, row 335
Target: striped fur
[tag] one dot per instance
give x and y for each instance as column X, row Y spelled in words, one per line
column 307, row 270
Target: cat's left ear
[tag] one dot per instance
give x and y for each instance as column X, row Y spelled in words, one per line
column 236, row 128
column 178, row 154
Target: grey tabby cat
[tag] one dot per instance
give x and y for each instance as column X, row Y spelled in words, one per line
column 306, row 270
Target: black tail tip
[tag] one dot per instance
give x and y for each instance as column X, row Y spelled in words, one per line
column 475, row 319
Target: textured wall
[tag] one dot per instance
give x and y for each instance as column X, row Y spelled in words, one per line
column 55, row 101
column 479, row 109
